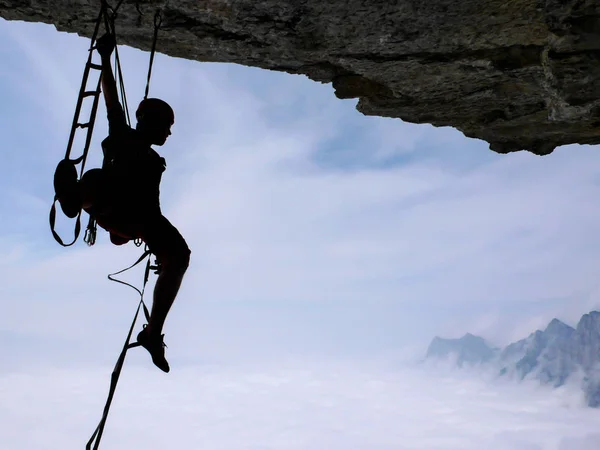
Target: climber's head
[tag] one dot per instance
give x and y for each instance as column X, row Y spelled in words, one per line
column 155, row 118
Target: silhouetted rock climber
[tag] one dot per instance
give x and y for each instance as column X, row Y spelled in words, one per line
column 123, row 196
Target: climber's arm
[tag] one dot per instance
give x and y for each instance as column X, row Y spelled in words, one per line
column 105, row 46
column 115, row 113
column 109, row 86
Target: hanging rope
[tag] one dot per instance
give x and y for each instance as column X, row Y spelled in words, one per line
column 116, row 373
column 157, row 25
column 110, row 28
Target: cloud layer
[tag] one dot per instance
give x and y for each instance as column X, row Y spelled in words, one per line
column 297, row 406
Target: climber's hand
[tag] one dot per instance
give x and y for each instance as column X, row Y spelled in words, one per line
column 105, row 45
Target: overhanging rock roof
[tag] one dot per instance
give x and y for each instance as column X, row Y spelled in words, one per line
column 521, row 75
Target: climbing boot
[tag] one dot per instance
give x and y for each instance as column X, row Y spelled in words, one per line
column 155, row 346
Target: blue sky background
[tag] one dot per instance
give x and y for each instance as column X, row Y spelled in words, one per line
column 317, row 234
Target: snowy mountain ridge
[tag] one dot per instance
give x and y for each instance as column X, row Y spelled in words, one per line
column 552, row 355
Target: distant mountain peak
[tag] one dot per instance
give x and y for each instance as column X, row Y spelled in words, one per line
column 556, row 326
column 590, row 319
column 551, row 356
column 469, row 336
column 469, row 349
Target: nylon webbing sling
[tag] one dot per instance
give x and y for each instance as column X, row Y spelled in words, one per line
column 94, row 441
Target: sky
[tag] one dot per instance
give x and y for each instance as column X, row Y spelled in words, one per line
column 328, row 249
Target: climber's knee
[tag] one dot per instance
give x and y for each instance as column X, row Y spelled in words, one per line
column 177, row 257
column 167, row 243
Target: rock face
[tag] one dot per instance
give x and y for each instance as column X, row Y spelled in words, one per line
column 521, row 75
column 550, row 356
column 546, row 354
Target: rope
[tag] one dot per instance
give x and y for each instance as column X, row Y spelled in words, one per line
column 157, row 24
column 109, row 22
column 114, row 379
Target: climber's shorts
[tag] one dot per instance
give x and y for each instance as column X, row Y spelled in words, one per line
column 163, row 239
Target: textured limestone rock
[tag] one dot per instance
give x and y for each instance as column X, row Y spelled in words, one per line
column 519, row 74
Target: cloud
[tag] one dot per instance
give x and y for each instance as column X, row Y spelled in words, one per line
column 587, row 442
column 296, row 405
